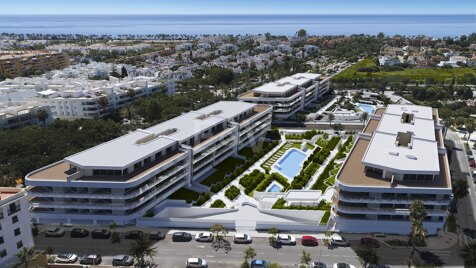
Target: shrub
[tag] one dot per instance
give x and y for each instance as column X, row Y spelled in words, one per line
column 279, row 178
column 305, row 135
column 264, row 184
column 218, row 204
column 232, row 192
column 203, row 198
column 326, row 173
column 250, row 181
column 280, row 204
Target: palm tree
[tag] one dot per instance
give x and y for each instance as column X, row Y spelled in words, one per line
column 305, row 259
column 42, row 115
column 250, row 253
column 25, row 255
column 103, row 102
column 417, row 231
column 364, row 117
column 142, row 248
column 460, row 190
column 470, row 127
column 273, row 238
column 468, row 253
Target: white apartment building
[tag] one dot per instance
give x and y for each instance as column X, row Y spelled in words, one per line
column 399, row 157
column 18, row 114
column 289, row 95
column 121, row 179
column 15, row 224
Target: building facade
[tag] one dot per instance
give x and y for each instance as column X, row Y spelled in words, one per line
column 25, row 64
column 289, row 95
column 399, row 157
column 15, row 223
column 18, row 115
column 121, row 179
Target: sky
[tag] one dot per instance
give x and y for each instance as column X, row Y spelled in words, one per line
column 237, row 7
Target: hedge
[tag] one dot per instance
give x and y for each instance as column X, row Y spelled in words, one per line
column 326, row 173
column 232, row 192
column 280, row 204
column 203, row 199
column 218, row 204
column 264, row 184
column 325, row 217
column 250, row 181
column 279, row 178
column 305, row 135
column 342, row 150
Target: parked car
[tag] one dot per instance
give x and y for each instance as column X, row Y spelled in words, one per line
column 339, row 241
column 157, row 236
column 122, row 260
column 286, row 239
column 93, row 259
column 309, row 241
column 370, row 242
column 259, row 264
column 196, row 263
column 317, row 264
column 472, row 163
column 135, row 234
column 101, row 234
column 66, row 257
column 242, row 239
column 204, row 237
column 79, row 233
column 54, row 232
column 343, row 265
column 181, row 237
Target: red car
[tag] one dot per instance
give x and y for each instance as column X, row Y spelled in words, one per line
column 309, row 241
column 472, row 163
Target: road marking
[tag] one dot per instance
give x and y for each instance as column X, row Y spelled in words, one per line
column 209, row 256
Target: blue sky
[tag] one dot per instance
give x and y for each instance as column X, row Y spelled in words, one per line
column 238, row 7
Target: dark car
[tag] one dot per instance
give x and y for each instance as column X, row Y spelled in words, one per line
column 133, row 234
column 181, row 237
column 101, row 234
column 93, row 259
column 309, row 241
column 122, row 260
column 369, row 242
column 157, row 236
column 79, row 233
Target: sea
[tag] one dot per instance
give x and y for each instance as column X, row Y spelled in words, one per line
column 409, row 25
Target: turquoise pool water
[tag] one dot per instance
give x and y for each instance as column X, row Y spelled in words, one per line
column 274, row 188
column 370, row 109
column 290, row 164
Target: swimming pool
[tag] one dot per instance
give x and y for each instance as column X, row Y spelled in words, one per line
column 274, row 188
column 370, row 109
column 290, row 164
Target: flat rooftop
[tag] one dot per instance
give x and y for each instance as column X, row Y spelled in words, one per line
column 7, row 192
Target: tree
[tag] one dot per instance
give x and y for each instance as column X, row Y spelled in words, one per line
column 367, row 256
column 460, row 190
column 114, row 235
column 250, row 253
column 219, row 232
column 131, row 94
column 331, row 117
column 337, row 127
column 42, row 115
column 142, row 248
column 305, row 259
column 468, row 253
column 417, row 231
column 103, row 102
column 273, row 238
column 124, row 72
column 470, row 127
column 301, row 33
column 274, row 265
column 25, row 255
column 364, row 117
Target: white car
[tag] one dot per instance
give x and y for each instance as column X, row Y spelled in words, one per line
column 286, row 239
column 339, row 241
column 242, row 239
column 204, row 237
column 66, row 257
column 54, row 232
column 196, row 263
column 342, row 265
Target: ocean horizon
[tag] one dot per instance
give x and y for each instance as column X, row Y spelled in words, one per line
column 434, row 25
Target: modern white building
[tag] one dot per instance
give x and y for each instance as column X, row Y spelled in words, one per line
column 289, row 95
column 18, row 114
column 15, row 223
column 121, row 179
column 399, row 157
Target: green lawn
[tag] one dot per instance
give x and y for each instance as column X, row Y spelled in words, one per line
column 228, row 165
column 421, row 74
column 185, row 194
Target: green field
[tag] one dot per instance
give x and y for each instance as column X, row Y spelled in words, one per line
column 419, row 74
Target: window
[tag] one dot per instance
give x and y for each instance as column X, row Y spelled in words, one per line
column 17, row 232
column 417, row 177
column 373, row 171
column 3, row 253
column 14, row 219
column 19, row 244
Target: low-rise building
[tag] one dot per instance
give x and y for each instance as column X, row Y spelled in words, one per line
column 289, row 95
column 15, row 222
column 399, row 157
column 121, row 179
column 33, row 63
column 18, row 114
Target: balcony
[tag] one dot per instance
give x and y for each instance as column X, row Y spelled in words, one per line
column 387, row 211
column 366, row 199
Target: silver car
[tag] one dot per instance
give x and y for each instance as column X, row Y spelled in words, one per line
column 66, row 257
column 122, row 260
